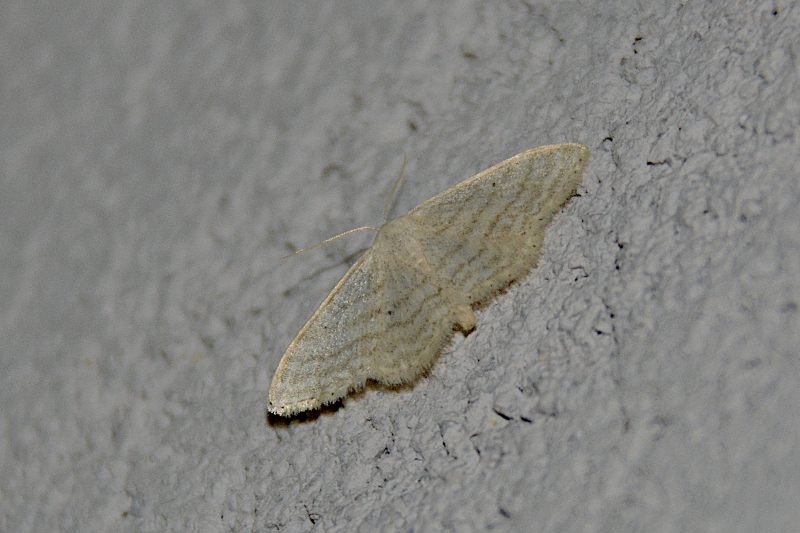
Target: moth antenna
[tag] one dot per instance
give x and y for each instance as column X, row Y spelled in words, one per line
column 326, row 241
column 348, row 232
column 394, row 188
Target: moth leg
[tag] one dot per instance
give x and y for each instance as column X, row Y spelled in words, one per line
column 465, row 318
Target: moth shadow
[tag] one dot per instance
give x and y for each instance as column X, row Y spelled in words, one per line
column 393, row 388
column 278, row 421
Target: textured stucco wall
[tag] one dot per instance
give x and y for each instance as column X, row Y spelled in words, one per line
column 157, row 158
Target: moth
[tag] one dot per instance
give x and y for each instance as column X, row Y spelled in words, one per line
column 398, row 306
